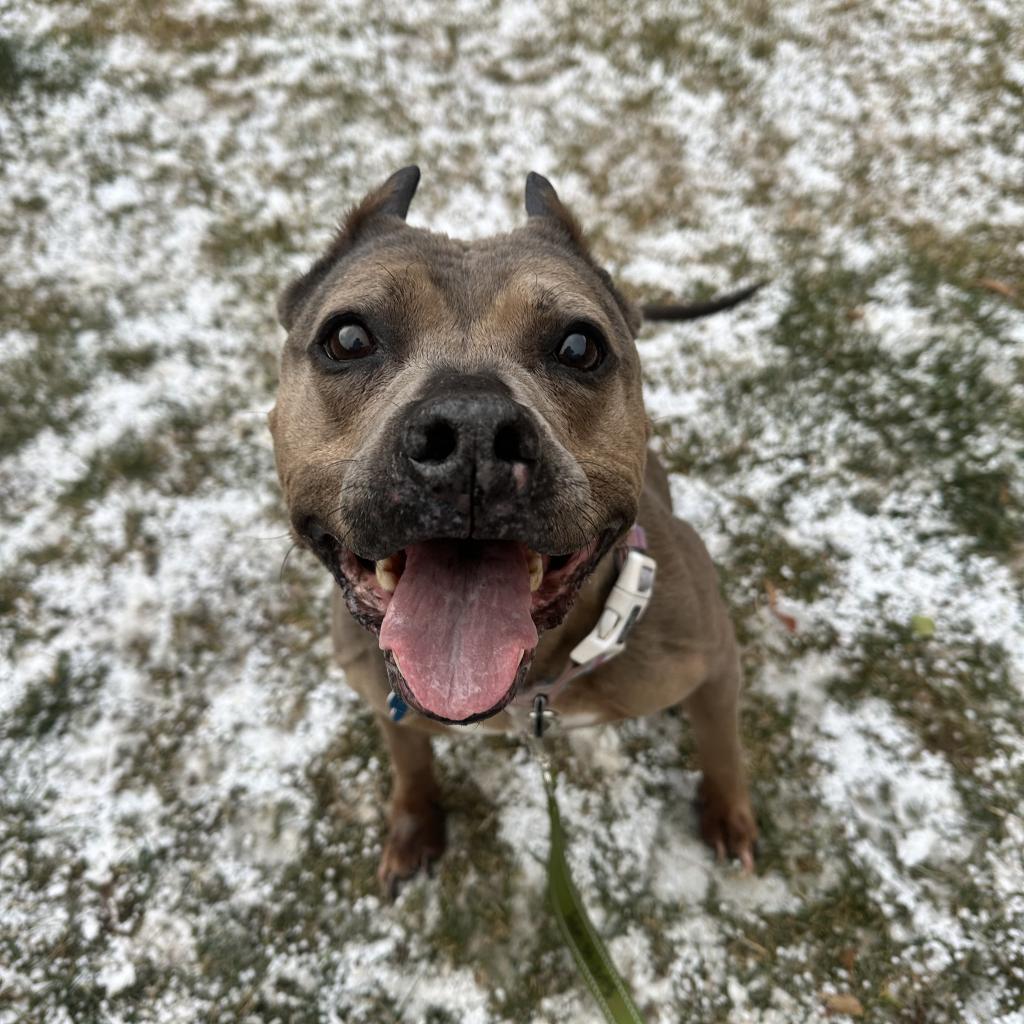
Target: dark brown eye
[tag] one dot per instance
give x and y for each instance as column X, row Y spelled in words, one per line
column 348, row 341
column 580, row 350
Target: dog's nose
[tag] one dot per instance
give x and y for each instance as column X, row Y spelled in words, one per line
column 476, row 443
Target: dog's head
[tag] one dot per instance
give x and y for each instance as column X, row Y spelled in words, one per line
column 460, row 435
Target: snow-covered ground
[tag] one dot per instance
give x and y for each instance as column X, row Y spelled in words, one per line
column 191, row 806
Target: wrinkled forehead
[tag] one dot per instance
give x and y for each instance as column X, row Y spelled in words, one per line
column 434, row 282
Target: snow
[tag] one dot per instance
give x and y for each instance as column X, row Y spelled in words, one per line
column 192, row 800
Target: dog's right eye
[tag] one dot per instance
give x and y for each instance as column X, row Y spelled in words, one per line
column 345, row 340
column 580, row 349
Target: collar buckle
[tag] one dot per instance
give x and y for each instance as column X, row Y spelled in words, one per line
column 623, row 608
column 626, row 603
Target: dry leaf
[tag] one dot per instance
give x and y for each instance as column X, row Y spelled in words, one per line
column 999, row 287
column 773, row 604
column 755, row 947
column 848, row 957
column 843, row 1002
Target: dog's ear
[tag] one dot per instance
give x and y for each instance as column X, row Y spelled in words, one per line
column 542, row 201
column 378, row 212
column 391, row 199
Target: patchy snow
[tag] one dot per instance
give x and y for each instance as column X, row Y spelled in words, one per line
column 192, row 799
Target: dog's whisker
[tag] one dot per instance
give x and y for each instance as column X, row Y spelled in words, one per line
column 284, row 562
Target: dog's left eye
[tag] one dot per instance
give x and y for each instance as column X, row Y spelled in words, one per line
column 343, row 341
column 580, row 350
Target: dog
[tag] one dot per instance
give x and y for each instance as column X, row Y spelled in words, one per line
column 461, row 439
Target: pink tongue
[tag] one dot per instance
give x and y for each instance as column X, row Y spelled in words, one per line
column 459, row 622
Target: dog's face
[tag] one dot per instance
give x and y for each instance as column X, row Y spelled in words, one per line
column 460, row 435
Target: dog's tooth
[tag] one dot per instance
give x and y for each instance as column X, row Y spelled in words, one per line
column 535, row 564
column 387, row 579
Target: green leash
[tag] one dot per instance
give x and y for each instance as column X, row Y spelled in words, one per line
column 578, row 932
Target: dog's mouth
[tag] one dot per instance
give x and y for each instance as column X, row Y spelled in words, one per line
column 458, row 620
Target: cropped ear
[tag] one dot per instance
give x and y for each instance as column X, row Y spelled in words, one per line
column 542, row 202
column 377, row 212
column 392, row 199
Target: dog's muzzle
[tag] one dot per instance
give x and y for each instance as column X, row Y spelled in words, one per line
column 471, row 535
column 469, row 446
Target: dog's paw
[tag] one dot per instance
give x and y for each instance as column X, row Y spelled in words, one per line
column 415, row 840
column 727, row 825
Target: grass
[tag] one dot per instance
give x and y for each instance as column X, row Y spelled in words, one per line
column 952, row 693
column 188, row 787
column 45, row 383
column 47, row 706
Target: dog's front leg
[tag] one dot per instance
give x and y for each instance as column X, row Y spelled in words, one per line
column 416, row 834
column 726, row 818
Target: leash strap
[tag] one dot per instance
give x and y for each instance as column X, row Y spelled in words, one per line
column 588, row 950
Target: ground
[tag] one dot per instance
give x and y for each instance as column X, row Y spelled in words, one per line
column 191, row 807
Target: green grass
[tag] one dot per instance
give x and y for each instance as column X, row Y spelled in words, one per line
column 952, row 693
column 48, row 704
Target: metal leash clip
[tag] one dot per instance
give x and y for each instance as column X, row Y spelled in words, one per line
column 541, row 716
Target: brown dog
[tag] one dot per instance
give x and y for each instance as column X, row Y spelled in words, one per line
column 461, row 439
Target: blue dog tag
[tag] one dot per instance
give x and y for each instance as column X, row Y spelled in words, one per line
column 396, row 707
